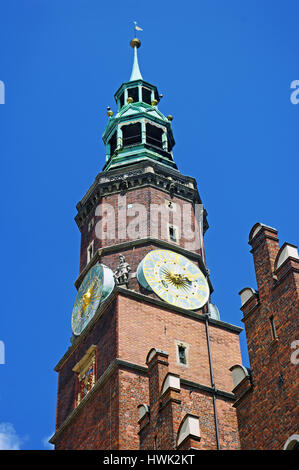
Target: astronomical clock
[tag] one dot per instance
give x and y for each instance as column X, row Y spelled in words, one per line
column 97, row 284
column 174, row 279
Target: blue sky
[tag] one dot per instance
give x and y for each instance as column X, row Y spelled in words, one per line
column 224, row 68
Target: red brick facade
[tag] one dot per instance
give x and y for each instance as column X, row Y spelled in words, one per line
column 154, row 224
column 142, row 372
column 124, row 332
column 144, row 397
column 267, row 398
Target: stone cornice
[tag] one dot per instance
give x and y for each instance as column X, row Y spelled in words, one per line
column 219, row 393
column 143, row 174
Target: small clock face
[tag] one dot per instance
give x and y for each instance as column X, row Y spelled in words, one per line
column 175, row 279
column 88, row 298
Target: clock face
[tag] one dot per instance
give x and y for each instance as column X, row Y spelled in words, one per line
column 174, row 279
column 88, row 298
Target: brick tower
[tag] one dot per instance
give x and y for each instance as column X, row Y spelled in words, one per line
column 149, row 362
column 266, row 394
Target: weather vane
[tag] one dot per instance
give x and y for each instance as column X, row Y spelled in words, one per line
column 136, row 28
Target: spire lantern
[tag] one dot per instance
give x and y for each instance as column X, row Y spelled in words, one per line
column 138, row 131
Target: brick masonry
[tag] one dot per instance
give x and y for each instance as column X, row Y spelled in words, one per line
column 262, row 413
column 126, row 331
column 267, row 404
column 146, row 197
column 123, row 334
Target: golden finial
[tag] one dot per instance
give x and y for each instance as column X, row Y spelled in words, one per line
column 135, row 43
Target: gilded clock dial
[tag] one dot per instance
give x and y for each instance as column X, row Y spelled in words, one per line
column 88, row 298
column 174, row 279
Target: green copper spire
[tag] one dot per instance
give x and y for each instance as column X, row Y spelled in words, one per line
column 135, row 75
column 138, row 131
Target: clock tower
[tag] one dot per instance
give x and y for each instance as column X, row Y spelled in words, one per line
column 149, row 362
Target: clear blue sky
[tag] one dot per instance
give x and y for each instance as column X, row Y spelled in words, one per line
column 225, row 69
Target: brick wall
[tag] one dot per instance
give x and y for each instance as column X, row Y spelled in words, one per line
column 104, row 336
column 145, row 197
column 96, row 425
column 160, row 427
column 268, row 413
column 126, row 331
column 143, row 326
